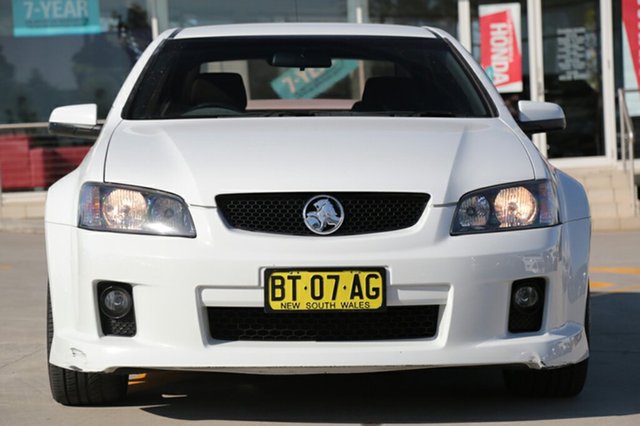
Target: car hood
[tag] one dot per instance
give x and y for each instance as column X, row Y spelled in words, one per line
column 201, row 158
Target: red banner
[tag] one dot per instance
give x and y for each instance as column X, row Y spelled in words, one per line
column 631, row 22
column 500, row 53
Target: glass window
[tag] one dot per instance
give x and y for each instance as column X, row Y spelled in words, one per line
column 510, row 99
column 440, row 14
column 38, row 73
column 188, row 13
column 231, row 77
column 41, row 72
column 572, row 75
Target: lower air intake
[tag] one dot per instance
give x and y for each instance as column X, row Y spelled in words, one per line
column 396, row 322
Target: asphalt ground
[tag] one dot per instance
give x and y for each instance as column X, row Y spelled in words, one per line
column 445, row 396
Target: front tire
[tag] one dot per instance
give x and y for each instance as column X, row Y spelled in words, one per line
column 70, row 387
column 563, row 382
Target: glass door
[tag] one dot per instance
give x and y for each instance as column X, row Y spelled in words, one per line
column 572, row 75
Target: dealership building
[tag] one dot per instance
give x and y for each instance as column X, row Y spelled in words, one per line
column 581, row 54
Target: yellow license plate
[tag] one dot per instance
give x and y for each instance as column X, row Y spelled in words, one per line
column 324, row 290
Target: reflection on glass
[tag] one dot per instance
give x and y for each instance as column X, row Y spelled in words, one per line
column 41, row 72
column 571, row 46
column 266, row 76
column 510, row 99
column 189, row 13
column 441, row 14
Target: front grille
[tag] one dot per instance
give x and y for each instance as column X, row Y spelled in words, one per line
column 396, row 322
column 282, row 213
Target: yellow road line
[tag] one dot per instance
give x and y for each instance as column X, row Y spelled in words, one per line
column 624, row 270
column 602, row 288
column 625, row 288
column 607, row 287
column 599, row 285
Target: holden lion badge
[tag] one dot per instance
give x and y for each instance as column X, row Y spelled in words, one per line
column 323, row 215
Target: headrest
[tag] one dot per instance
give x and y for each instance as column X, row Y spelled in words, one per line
column 221, row 88
column 392, row 94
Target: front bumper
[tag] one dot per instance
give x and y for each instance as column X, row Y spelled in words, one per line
column 174, row 280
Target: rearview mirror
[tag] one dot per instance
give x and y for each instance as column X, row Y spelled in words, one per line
column 538, row 117
column 300, row 60
column 77, row 121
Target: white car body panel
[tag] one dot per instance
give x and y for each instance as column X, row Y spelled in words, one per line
column 299, row 29
column 84, row 114
column 175, row 279
column 202, row 159
column 200, row 274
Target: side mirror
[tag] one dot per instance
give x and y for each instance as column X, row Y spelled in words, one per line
column 538, row 117
column 77, row 121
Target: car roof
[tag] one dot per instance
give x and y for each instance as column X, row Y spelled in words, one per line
column 293, row 29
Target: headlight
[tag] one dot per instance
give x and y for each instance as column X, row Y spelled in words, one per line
column 508, row 207
column 115, row 208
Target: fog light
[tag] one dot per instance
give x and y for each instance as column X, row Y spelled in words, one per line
column 526, row 297
column 115, row 302
column 526, row 309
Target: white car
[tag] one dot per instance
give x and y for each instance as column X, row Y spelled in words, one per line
column 313, row 198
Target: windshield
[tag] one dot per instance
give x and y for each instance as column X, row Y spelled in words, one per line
column 307, row 76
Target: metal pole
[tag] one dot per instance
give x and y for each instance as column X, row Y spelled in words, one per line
column 608, row 84
column 623, row 130
column 627, row 140
column 464, row 24
column 536, row 64
column 632, row 175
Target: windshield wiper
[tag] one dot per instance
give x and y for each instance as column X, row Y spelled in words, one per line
column 432, row 113
column 422, row 113
column 292, row 113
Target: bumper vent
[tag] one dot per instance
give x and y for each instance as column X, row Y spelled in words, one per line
column 397, row 322
column 121, row 327
column 364, row 213
column 529, row 319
